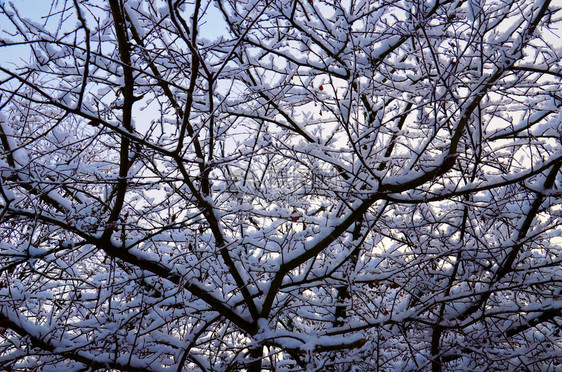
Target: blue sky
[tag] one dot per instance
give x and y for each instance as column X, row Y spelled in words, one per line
column 212, row 27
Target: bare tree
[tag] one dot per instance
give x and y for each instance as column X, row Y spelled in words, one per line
column 278, row 185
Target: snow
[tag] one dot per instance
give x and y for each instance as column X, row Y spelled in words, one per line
column 160, row 286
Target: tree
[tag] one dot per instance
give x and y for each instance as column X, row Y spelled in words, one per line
column 281, row 185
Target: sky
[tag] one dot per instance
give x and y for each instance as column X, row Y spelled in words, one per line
column 32, row 9
column 13, row 56
column 212, row 27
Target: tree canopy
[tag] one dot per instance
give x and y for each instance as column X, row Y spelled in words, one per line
column 320, row 185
